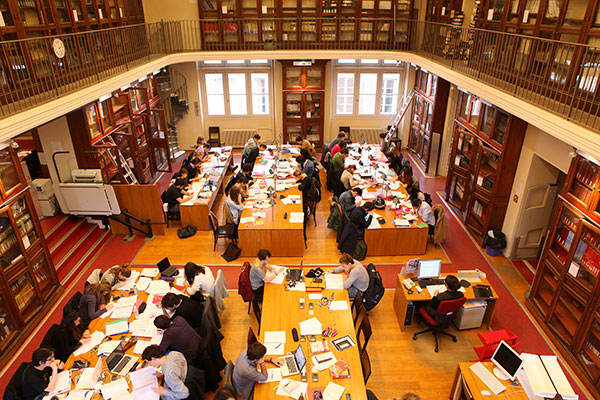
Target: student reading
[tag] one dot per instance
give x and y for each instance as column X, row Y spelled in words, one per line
column 245, row 374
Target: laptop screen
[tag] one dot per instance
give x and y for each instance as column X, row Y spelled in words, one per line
column 429, row 268
column 300, row 357
column 163, row 264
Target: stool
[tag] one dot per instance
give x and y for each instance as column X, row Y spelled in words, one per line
column 490, row 341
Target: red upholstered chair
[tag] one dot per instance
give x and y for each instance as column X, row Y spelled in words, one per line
column 445, row 314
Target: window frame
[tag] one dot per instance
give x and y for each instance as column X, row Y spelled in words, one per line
column 380, row 72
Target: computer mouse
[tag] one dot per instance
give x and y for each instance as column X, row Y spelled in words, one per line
column 486, row 393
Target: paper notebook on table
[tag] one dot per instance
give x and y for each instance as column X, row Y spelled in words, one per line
column 273, row 375
column 296, row 217
column 116, row 327
column 334, row 281
column 142, row 382
column 291, row 388
column 115, row 389
column 333, row 391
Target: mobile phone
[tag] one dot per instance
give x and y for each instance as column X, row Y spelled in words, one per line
column 315, row 377
column 311, row 305
column 348, row 397
column 301, row 305
column 302, row 338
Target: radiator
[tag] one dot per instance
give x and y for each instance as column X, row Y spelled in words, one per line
column 236, row 137
column 371, row 134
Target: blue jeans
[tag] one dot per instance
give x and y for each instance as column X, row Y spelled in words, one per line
column 352, row 292
column 174, row 209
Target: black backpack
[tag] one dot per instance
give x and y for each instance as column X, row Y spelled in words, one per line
column 375, row 291
column 186, row 232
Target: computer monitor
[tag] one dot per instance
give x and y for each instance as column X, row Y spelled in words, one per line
column 429, row 269
column 300, row 357
column 507, row 362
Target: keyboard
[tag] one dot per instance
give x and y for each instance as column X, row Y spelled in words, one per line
column 124, row 361
column 428, row 282
column 291, row 364
column 487, row 377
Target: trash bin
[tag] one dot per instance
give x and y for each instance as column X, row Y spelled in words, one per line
column 495, row 242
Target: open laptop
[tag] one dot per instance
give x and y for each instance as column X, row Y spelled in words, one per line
column 293, row 363
column 89, row 377
column 120, row 363
column 166, row 269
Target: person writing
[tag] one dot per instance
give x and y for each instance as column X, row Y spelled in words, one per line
column 424, row 210
column 262, row 272
column 337, row 148
column 245, row 372
column 39, row 377
column 116, row 275
column 348, row 199
column 337, row 162
column 174, row 371
column 93, row 302
column 306, row 165
column 357, row 280
column 67, row 336
column 176, row 195
column 452, row 293
column 306, row 145
column 347, row 177
column 178, row 335
column 179, row 305
column 198, row 280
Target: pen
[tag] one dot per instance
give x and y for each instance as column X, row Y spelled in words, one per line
column 276, row 347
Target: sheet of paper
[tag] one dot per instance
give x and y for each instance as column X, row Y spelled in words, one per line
column 142, row 283
column 158, row 287
column 274, row 375
column 142, row 377
column 299, row 287
column 180, row 281
column 128, row 284
column 117, row 327
column 111, row 389
column 275, row 349
column 297, row 217
column 401, row 222
column 143, row 327
column 63, row 382
column 150, row 272
column 291, row 388
column 311, row 326
column 108, row 347
column 374, row 224
column 279, row 278
column 246, row 220
column 436, row 288
column 145, row 393
column 323, row 361
column 338, row 305
column 121, row 312
column 333, row 391
column 140, row 346
column 275, row 337
column 94, row 340
column 334, row 281
column 315, row 296
column 77, row 395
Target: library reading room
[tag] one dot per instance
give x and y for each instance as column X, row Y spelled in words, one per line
column 306, row 199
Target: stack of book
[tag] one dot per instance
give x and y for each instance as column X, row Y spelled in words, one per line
column 340, row 370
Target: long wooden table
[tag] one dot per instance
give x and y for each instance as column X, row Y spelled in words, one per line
column 401, row 299
column 274, row 232
column 281, row 311
column 196, row 214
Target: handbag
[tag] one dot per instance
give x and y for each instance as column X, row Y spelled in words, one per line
column 232, row 252
column 186, row 232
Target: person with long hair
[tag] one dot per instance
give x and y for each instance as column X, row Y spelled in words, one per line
column 94, row 302
column 234, row 201
column 198, row 280
column 116, row 275
column 66, row 337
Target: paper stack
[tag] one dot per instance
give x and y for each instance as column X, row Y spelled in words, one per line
column 94, row 340
column 291, row 388
column 311, row 326
column 297, row 217
column 275, row 342
column 158, row 287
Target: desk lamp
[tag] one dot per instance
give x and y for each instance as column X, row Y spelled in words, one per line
column 386, row 189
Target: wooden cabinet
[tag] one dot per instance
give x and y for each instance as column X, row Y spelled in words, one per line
column 428, row 117
column 128, row 130
column 485, row 152
column 27, row 276
column 565, row 293
column 303, row 102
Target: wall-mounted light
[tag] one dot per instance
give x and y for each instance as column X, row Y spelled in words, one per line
column 302, row 63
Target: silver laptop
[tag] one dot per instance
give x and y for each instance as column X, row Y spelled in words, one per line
column 293, row 363
column 90, row 376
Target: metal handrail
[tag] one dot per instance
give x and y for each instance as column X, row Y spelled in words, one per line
column 559, row 76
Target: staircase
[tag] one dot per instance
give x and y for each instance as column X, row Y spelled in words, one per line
column 73, row 243
column 174, row 100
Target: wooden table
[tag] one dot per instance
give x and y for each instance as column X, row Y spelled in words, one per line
column 281, row 311
column 401, row 299
column 197, row 214
column 278, row 235
column 467, row 385
column 392, row 241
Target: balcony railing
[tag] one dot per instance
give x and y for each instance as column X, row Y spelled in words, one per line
column 557, row 76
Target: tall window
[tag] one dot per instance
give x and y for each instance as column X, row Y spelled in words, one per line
column 237, row 94
column 345, row 93
column 242, row 91
column 367, row 93
column 215, row 94
column 389, row 93
column 260, row 93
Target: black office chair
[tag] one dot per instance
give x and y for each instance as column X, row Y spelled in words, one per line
column 445, row 313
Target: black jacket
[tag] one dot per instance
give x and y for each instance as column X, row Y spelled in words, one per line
column 353, row 230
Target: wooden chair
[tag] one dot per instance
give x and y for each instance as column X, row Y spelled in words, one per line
column 358, row 318
column 356, row 307
column 367, row 331
column 219, row 231
column 251, row 337
column 365, row 363
column 312, row 208
column 257, row 312
column 214, row 136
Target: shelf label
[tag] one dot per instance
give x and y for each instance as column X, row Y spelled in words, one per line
column 457, row 160
column 480, row 180
column 443, row 10
column 490, row 15
column 100, row 16
column 75, row 17
column 264, row 9
column 224, row 9
column 121, row 12
column 2, row 23
column 26, row 242
column 525, row 16
column 574, row 269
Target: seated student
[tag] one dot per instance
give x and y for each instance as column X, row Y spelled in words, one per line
column 396, row 160
column 347, row 177
column 66, row 337
column 116, row 275
column 194, row 168
column 424, row 210
column 250, row 144
column 198, row 280
column 306, row 165
column 245, row 171
column 38, row 378
column 178, row 335
column 337, row 148
column 306, row 145
column 234, row 201
column 451, row 293
column 175, row 195
column 357, row 280
column 262, row 272
column 407, row 178
column 337, row 162
column 414, row 193
column 183, row 174
column 339, row 138
column 245, row 374
column 199, row 142
column 174, row 371
column 94, row 302
column 227, row 393
column 204, row 155
column 307, row 186
column 179, row 305
column 348, row 199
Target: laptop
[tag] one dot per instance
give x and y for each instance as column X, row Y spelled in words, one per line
column 89, row 377
column 293, row 363
column 120, row 363
column 166, row 269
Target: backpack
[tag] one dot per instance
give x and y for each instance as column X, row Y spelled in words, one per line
column 186, row 232
column 232, row 252
column 375, row 291
column 244, row 285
